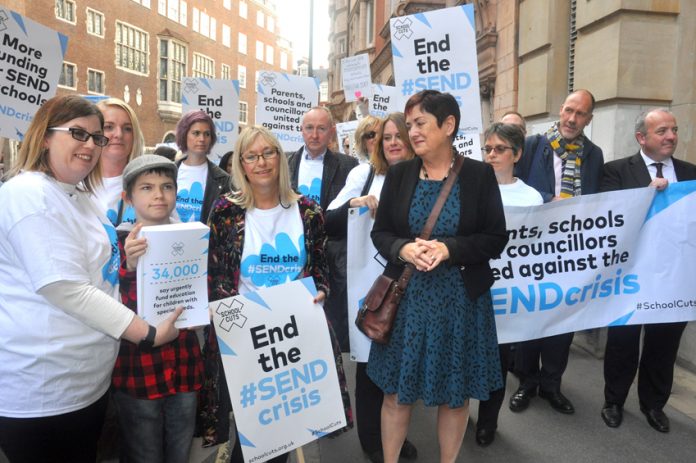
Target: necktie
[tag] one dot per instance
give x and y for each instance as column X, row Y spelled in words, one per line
column 658, row 166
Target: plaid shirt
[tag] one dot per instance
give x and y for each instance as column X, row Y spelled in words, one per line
column 161, row 371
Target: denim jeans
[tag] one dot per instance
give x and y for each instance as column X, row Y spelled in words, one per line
column 156, row 431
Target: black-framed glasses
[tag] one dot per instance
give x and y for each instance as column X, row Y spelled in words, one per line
column 370, row 135
column 251, row 158
column 83, row 135
column 499, row 149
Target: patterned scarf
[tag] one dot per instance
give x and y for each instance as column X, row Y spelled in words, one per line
column 571, row 157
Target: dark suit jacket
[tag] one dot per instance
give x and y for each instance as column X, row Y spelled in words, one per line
column 535, row 167
column 336, row 168
column 631, row 172
column 481, row 233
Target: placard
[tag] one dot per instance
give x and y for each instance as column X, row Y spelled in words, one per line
column 31, row 59
column 173, row 272
column 347, row 129
column 357, row 80
column 384, row 101
column 280, row 370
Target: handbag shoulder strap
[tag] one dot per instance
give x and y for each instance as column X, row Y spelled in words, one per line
column 368, row 182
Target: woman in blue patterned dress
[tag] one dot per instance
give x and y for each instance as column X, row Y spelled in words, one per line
column 443, row 349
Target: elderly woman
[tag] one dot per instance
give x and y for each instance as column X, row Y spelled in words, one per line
column 363, row 187
column 242, row 225
column 200, row 182
column 366, row 136
column 502, row 149
column 126, row 142
column 443, row 347
column 60, row 321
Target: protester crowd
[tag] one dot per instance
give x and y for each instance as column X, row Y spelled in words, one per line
column 82, row 189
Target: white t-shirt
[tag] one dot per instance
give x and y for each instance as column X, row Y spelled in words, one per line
column 355, row 182
column 109, row 199
column 50, row 362
column 274, row 249
column 519, row 194
column 309, row 176
column 191, row 182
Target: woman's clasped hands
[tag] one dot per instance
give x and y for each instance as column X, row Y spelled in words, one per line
column 425, row 255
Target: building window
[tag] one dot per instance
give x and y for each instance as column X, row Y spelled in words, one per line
column 259, row 50
column 270, row 24
column 95, row 81
column 242, row 45
column 370, row 22
column 341, row 46
column 183, row 13
column 243, row 10
column 65, row 10
column 241, row 75
column 226, row 36
column 213, row 29
column 205, row 24
column 283, row 60
column 161, row 7
column 145, row 3
column 132, row 48
column 172, row 69
column 269, row 54
column 226, row 72
column 67, row 76
column 243, row 112
column 195, row 20
column 259, row 18
column 95, row 23
column 227, row 4
column 203, row 66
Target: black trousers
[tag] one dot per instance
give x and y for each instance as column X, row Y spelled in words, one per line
column 70, row 437
column 368, row 407
column 489, row 409
column 553, row 353
column 656, row 374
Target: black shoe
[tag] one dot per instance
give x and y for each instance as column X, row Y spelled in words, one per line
column 612, row 415
column 656, row 418
column 558, row 401
column 408, row 451
column 485, row 437
column 519, row 401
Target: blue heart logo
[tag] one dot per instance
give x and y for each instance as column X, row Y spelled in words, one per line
column 190, row 202
column 313, row 192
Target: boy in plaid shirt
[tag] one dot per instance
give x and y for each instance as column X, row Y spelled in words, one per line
column 154, row 388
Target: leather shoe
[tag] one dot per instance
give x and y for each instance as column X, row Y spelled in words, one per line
column 485, row 437
column 612, row 414
column 558, row 401
column 520, row 399
column 656, row 418
column 408, row 451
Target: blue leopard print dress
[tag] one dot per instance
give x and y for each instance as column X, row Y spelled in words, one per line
column 443, row 347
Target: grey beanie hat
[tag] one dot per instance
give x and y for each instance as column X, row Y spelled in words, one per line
column 146, row 163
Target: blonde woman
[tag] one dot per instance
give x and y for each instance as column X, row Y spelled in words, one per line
column 365, row 137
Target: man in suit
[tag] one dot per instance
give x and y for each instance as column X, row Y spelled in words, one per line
column 319, row 173
column 656, row 132
column 562, row 163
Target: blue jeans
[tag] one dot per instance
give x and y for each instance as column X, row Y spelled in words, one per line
column 156, row 431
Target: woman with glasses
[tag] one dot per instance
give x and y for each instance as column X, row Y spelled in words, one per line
column 60, row 322
column 366, row 136
column 502, row 149
column 126, row 142
column 200, row 182
column 262, row 215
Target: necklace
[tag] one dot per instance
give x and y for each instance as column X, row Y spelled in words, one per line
column 425, row 172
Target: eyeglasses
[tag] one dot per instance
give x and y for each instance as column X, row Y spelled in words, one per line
column 83, row 135
column 370, row 135
column 499, row 149
column 251, row 158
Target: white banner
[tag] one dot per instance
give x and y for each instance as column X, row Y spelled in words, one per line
column 363, row 266
column 384, row 100
column 173, row 272
column 608, row 259
column 220, row 100
column 347, row 129
column 282, row 100
column 357, row 80
column 280, row 369
column 31, row 63
column 437, row 50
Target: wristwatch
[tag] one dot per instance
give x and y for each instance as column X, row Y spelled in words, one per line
column 149, row 340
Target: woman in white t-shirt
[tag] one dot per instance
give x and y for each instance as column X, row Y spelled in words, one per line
column 126, row 142
column 263, row 219
column 502, row 149
column 60, row 321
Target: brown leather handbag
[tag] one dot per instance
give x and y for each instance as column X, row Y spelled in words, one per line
column 378, row 312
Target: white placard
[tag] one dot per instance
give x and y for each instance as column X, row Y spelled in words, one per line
column 384, row 100
column 282, row 100
column 173, row 272
column 347, row 129
column 29, row 72
column 220, row 100
column 357, row 80
column 469, row 145
column 437, row 50
column 280, row 369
